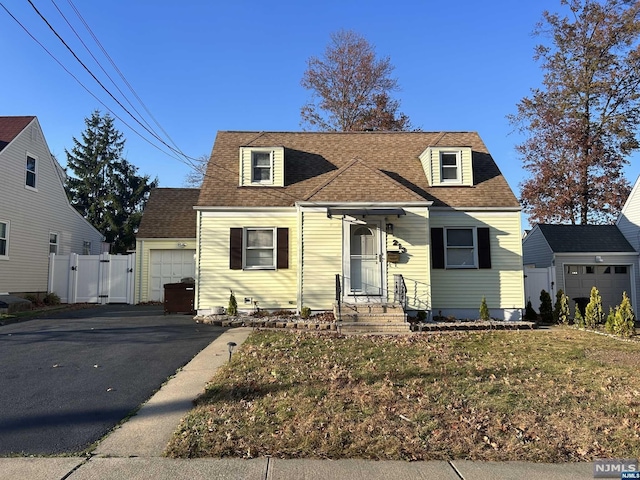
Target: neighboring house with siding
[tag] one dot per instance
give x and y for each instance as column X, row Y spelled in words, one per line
column 285, row 218
column 581, row 257
column 629, row 224
column 165, row 242
column 36, row 218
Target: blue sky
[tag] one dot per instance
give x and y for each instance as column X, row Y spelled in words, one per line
column 200, row 67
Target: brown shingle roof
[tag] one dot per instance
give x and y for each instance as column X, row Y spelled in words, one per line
column 352, row 166
column 169, row 213
column 10, row 127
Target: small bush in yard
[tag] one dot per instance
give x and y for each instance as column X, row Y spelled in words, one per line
column 611, row 318
column 593, row 314
column 232, row 309
column 557, row 307
column 421, row 315
column 623, row 322
column 562, row 308
column 578, row 319
column 484, row 310
column 305, row 312
column 51, row 299
column 546, row 310
column 530, row 313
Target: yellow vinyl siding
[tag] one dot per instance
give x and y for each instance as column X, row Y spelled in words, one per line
column 143, row 260
column 502, row 284
column 272, row 289
column 322, row 253
column 277, row 164
column 410, row 231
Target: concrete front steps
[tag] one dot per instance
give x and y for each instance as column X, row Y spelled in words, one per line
column 371, row 318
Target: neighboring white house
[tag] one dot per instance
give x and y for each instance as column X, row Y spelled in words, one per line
column 36, row 218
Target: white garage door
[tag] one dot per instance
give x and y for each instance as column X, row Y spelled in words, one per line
column 610, row 280
column 169, row 266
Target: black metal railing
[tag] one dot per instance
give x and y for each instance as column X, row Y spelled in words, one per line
column 399, row 290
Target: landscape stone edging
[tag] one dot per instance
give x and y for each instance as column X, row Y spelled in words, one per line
column 301, row 324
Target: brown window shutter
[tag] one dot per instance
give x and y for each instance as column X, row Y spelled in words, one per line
column 283, row 248
column 484, row 248
column 437, row 248
column 235, row 249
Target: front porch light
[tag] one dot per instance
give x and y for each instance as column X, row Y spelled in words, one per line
column 389, row 228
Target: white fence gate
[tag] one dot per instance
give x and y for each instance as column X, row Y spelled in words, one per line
column 92, row 278
column 536, row 280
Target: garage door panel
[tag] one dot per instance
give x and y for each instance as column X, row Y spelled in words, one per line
column 169, row 266
column 610, row 281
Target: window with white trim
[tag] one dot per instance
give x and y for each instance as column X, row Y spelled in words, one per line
column 53, row 242
column 460, row 248
column 30, row 178
column 450, row 167
column 261, row 167
column 259, row 248
column 4, row 239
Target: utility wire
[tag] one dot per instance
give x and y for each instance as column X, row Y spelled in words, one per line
column 126, row 82
column 97, row 61
column 188, row 160
column 102, row 85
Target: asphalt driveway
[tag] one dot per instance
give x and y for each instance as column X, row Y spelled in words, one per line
column 68, row 379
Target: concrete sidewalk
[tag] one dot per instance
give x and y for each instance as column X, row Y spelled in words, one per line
column 133, row 451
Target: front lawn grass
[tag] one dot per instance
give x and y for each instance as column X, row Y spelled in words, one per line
column 543, row 396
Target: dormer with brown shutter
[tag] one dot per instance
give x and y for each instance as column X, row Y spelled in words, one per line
column 261, row 166
column 447, row 166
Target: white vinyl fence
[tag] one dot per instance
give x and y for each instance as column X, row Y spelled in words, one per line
column 536, row 280
column 92, row 278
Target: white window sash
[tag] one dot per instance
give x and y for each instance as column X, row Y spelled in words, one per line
column 451, row 251
column 251, row 255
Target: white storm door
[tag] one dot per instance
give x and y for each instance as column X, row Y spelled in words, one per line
column 364, row 266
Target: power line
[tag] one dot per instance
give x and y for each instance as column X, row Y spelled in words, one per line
column 119, row 72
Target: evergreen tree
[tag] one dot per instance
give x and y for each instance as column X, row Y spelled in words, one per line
column 104, row 187
column 546, row 310
column 593, row 313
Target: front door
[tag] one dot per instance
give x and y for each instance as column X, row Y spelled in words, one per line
column 363, row 265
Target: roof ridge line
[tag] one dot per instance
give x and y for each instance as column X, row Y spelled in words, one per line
column 331, row 178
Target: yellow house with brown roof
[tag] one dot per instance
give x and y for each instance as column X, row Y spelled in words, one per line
column 420, row 220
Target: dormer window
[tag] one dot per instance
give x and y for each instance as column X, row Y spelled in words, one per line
column 261, row 167
column 450, row 166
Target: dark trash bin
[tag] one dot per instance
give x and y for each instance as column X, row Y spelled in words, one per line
column 179, row 297
column 581, row 303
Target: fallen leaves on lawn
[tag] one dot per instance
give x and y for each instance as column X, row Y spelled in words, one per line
column 532, row 396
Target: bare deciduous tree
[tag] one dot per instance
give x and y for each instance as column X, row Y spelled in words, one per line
column 582, row 124
column 350, row 88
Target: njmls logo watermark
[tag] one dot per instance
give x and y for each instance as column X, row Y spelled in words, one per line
column 616, row 468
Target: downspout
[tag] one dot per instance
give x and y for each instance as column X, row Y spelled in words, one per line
column 299, row 294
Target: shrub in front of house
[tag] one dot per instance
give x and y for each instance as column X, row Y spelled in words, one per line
column 622, row 322
column 546, row 310
column 484, row 310
column 529, row 313
column 562, row 308
column 593, row 313
column 232, row 308
column 578, row 319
